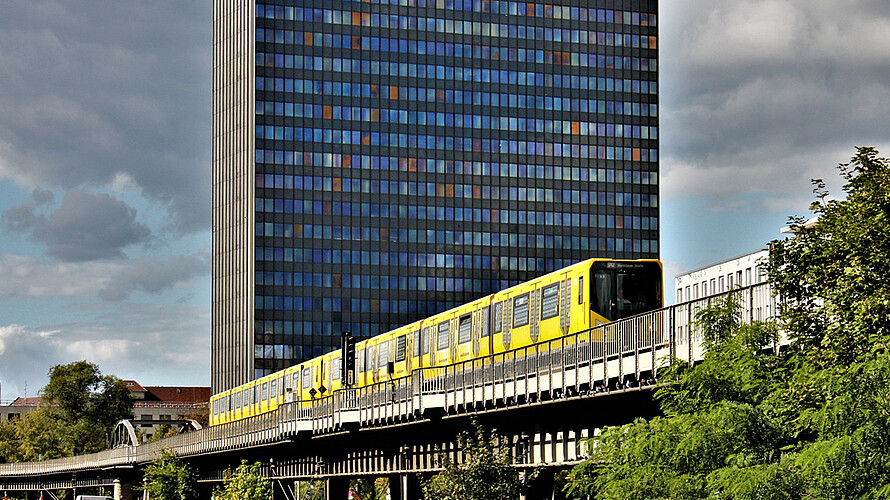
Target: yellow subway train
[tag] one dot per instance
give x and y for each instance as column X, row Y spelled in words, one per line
column 564, row 302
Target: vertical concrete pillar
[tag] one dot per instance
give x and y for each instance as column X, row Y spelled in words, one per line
column 409, row 487
column 122, row 491
column 394, row 491
column 543, row 487
column 522, row 496
column 336, row 488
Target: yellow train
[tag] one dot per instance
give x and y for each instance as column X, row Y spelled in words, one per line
column 567, row 301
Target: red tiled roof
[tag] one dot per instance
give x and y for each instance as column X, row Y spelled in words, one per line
column 180, row 394
column 134, row 386
column 30, row 402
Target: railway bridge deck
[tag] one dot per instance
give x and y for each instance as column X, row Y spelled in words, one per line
column 545, row 400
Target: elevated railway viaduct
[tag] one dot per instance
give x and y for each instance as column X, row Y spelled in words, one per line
column 544, row 400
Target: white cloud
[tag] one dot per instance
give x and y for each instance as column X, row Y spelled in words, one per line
column 739, row 32
column 93, row 90
column 157, row 345
column 123, row 182
column 26, row 276
column 760, row 96
column 30, row 277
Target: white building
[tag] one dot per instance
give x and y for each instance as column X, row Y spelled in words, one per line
column 744, row 270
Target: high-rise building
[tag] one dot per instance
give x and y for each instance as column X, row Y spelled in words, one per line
column 378, row 161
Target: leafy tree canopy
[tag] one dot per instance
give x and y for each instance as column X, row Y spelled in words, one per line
column 169, row 478
column 485, row 474
column 813, row 423
column 246, row 483
column 80, row 391
column 79, row 407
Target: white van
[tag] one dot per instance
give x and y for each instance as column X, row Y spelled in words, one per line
column 91, row 497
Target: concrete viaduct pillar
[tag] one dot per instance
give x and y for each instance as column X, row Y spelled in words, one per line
column 405, row 487
column 336, row 488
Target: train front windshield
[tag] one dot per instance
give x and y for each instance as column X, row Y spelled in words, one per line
column 623, row 289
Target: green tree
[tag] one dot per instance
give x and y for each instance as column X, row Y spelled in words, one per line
column 370, row 489
column 485, row 474
column 814, row 423
column 712, row 419
column 311, row 490
column 833, row 276
column 40, row 436
column 169, row 478
column 246, row 483
column 80, row 392
column 78, row 408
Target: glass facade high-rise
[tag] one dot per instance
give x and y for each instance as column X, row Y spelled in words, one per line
column 379, row 161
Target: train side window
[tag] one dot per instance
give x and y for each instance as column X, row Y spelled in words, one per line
column 274, row 391
column 361, row 360
column 465, row 324
column 307, row 378
column 416, row 343
column 265, row 391
column 442, row 340
column 426, row 341
column 486, row 321
column 581, row 290
column 335, row 368
column 401, row 347
column 498, row 318
column 550, row 301
column 520, row 310
column 384, row 354
column 238, row 400
column 255, row 394
column 296, row 382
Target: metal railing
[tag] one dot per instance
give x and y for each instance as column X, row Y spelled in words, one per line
column 613, row 357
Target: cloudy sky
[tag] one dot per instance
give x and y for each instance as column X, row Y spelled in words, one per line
column 105, row 160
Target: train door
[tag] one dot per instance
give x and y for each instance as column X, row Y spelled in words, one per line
column 418, row 346
column 485, row 332
column 400, row 355
column 373, row 363
column 581, row 318
column 336, row 373
column 498, row 341
column 565, row 299
column 305, row 382
column 410, row 355
column 477, row 333
column 428, row 345
column 464, row 351
column 443, row 331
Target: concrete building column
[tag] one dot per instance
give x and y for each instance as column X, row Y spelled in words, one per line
column 407, row 487
column 523, row 495
column 543, row 487
column 395, row 487
column 336, row 488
